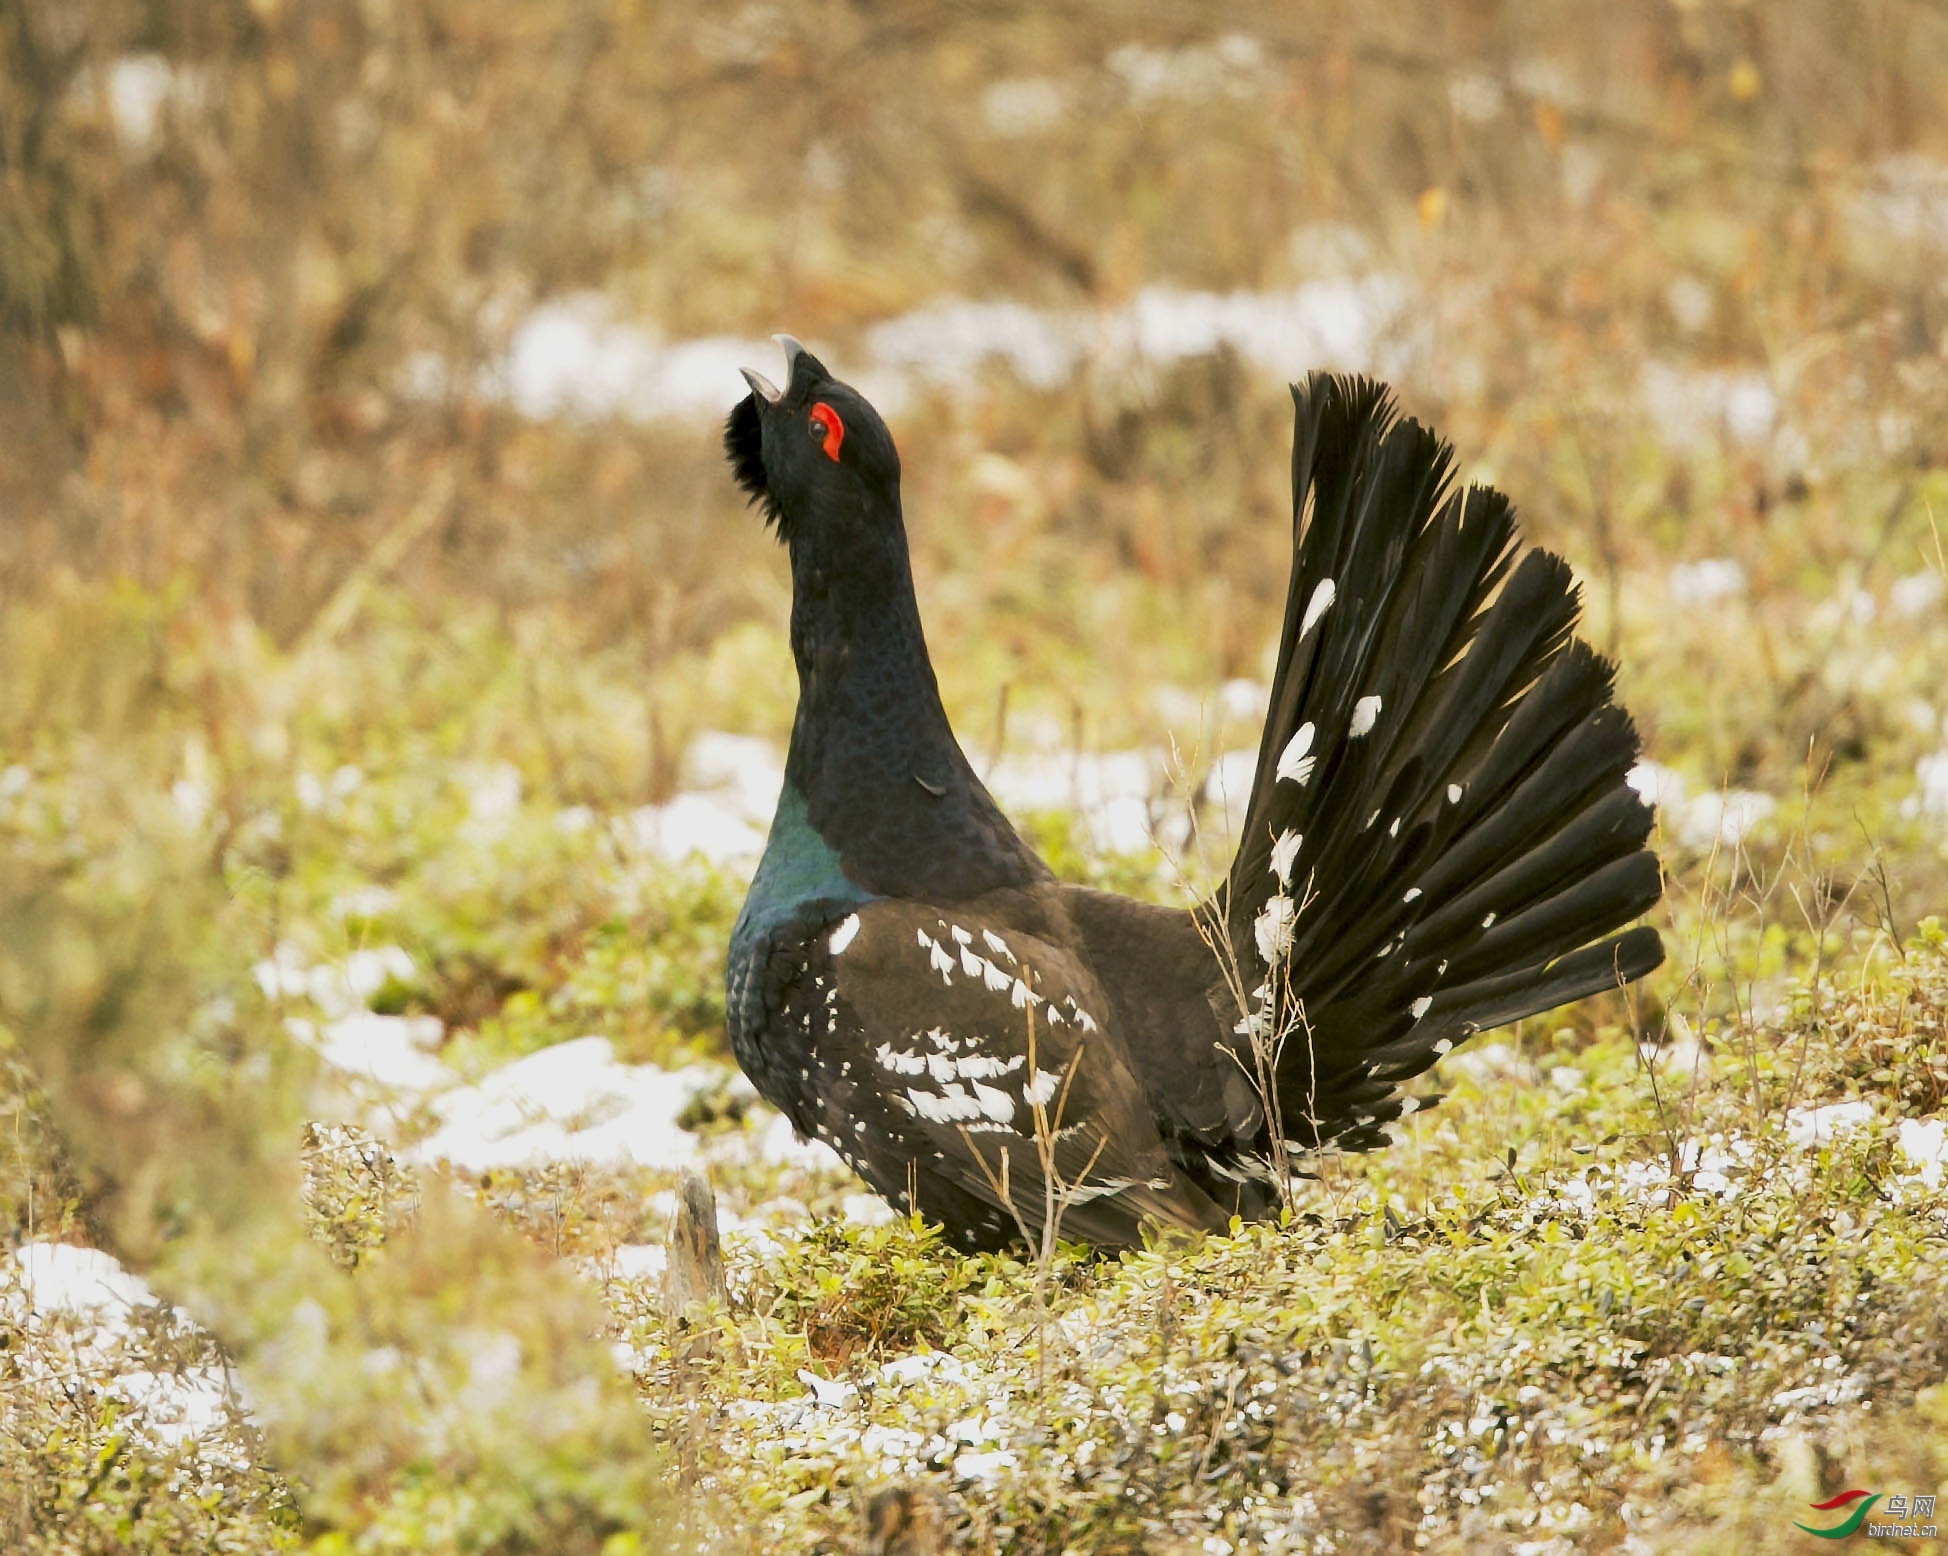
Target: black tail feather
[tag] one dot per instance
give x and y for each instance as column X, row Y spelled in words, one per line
column 1441, row 780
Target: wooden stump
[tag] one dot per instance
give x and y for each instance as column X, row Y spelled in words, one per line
column 693, row 1278
column 902, row 1521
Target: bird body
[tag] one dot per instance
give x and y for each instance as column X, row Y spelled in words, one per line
column 1439, row 840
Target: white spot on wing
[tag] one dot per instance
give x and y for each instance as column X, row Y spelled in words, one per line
column 985, row 1067
column 996, row 944
column 890, row 1058
column 951, row 1105
column 842, row 936
column 1082, row 1193
column 1365, row 711
column 1041, row 1088
column 995, row 1104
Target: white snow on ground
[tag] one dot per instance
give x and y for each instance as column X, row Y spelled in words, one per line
column 1924, row 1144
column 1809, row 1127
column 1117, row 796
column 833, row 1417
column 1916, row 594
column 573, row 357
column 1689, row 405
column 707, row 826
column 80, row 1282
column 393, row 1052
column 1705, row 581
column 724, row 812
column 1930, row 797
column 336, row 988
column 140, row 88
column 1719, row 1163
column 1906, row 202
column 78, row 1309
column 1702, row 821
column 571, row 1102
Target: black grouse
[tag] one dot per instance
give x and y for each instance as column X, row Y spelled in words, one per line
column 1439, row 840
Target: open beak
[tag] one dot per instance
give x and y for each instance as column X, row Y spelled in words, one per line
column 793, row 351
column 763, row 387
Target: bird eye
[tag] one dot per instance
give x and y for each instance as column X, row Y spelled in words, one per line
column 828, row 429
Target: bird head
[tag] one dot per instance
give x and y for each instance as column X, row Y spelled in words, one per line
column 812, row 452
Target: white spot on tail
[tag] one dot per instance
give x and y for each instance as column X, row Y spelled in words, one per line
column 1273, row 929
column 1317, row 606
column 1394, row 830
column 1412, row 892
column 1285, row 848
column 1421, row 1006
column 1294, row 765
column 842, row 936
column 1365, row 711
column 1454, row 794
column 1488, row 922
column 1443, row 1045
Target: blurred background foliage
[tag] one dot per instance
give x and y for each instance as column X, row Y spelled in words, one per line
column 270, row 515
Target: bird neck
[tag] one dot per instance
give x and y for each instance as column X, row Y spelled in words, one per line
column 883, row 779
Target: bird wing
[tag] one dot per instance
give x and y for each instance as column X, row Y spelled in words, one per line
column 964, row 1067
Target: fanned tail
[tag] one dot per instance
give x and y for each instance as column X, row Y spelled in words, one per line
column 1440, row 838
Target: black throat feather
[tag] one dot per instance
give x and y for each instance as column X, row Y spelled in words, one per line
column 744, row 447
